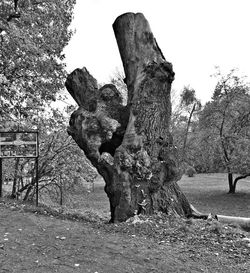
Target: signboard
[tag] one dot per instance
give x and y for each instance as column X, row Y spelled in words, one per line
column 18, row 144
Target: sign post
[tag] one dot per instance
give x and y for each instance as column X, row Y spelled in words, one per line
column 1, row 177
column 37, row 181
column 20, row 144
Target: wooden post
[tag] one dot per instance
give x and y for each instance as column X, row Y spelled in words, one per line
column 36, row 163
column 1, row 177
column 61, row 190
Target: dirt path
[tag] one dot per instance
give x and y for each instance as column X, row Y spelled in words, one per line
column 36, row 243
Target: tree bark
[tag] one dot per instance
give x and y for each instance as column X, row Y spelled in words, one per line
column 131, row 146
column 231, row 183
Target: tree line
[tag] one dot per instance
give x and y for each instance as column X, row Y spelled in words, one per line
column 215, row 137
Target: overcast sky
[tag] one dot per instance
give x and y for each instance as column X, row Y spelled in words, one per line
column 194, row 35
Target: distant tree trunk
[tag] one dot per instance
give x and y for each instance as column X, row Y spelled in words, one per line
column 131, row 146
column 231, row 183
column 186, row 133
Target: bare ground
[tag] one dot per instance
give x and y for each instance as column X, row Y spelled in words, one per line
column 31, row 241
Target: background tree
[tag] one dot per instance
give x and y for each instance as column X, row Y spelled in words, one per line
column 225, row 122
column 31, row 45
column 33, row 35
column 117, row 79
column 204, row 154
column 192, row 104
column 62, row 165
column 184, row 125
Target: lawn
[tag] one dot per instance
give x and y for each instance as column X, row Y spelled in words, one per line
column 208, row 193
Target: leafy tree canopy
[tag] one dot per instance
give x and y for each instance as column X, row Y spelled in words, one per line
column 184, row 124
column 31, row 60
column 188, row 97
column 33, row 35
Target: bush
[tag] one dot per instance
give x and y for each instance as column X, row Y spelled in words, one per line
column 190, row 171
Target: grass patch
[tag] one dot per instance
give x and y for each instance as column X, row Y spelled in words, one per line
column 208, row 193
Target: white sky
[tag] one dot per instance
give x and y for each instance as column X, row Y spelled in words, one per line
column 194, row 35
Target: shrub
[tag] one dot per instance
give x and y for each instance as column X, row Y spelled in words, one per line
column 190, row 171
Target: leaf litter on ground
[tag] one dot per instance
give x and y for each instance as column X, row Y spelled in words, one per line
column 191, row 235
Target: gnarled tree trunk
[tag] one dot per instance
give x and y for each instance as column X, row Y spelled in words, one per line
column 131, row 146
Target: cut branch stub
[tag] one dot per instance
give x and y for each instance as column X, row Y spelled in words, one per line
column 131, row 146
column 83, row 88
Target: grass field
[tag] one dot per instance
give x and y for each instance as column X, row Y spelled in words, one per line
column 207, row 192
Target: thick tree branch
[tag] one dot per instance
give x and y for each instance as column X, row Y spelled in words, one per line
column 239, row 178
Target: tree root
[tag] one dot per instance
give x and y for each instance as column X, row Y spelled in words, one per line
column 242, row 222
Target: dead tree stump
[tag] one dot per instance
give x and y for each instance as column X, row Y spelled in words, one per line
column 131, row 146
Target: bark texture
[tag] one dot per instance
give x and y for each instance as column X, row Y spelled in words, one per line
column 131, row 146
